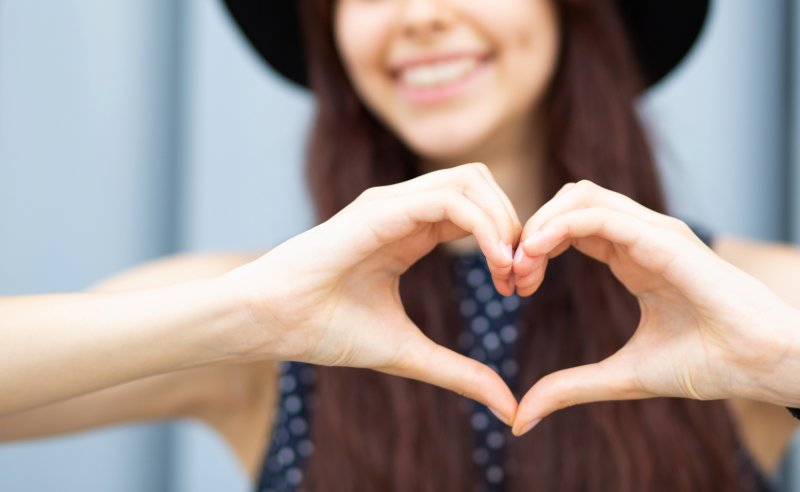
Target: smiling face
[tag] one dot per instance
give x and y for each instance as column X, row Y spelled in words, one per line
column 449, row 76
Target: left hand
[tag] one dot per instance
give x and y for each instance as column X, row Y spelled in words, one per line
column 707, row 329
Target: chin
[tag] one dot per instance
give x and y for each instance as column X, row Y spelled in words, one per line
column 445, row 145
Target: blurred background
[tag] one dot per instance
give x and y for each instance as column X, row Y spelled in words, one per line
column 134, row 129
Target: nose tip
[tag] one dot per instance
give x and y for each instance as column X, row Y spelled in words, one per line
column 423, row 18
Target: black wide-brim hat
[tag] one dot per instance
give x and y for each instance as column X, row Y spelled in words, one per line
column 662, row 32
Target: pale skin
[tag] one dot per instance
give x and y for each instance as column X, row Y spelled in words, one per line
column 342, row 273
column 492, row 120
column 238, row 399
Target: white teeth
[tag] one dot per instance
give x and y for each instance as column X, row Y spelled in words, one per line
column 438, row 74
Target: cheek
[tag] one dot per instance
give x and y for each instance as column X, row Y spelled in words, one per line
column 361, row 33
column 527, row 35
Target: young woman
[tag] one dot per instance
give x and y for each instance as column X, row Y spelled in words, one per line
column 542, row 91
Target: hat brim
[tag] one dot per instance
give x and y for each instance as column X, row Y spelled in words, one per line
column 662, row 33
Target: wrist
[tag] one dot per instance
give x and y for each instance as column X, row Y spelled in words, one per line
column 776, row 380
column 245, row 328
column 225, row 329
column 190, row 324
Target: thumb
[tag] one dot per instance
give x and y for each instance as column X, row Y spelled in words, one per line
column 437, row 365
column 602, row 381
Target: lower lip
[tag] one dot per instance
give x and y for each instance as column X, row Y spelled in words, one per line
column 432, row 95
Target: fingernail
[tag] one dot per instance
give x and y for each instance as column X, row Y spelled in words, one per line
column 506, row 249
column 497, row 414
column 519, row 254
column 529, row 241
column 530, row 426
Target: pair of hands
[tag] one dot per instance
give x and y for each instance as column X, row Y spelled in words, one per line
column 330, row 296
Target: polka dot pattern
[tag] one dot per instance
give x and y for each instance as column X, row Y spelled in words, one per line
column 291, row 442
column 489, row 336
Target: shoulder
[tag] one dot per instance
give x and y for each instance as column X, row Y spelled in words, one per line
column 771, row 262
column 174, row 269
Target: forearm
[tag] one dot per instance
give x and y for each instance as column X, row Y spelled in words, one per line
column 56, row 346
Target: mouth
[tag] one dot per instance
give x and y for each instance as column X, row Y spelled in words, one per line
column 439, row 78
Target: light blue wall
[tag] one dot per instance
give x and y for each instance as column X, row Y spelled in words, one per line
column 794, row 129
column 243, row 134
column 243, row 148
column 719, row 122
column 113, row 150
column 134, row 128
column 84, row 139
column 84, row 186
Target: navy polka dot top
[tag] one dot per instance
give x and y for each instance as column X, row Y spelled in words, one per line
column 489, row 335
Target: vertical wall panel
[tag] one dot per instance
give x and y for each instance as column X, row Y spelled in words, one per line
column 84, row 186
column 794, row 123
column 244, row 136
column 720, row 122
column 792, row 463
column 243, row 146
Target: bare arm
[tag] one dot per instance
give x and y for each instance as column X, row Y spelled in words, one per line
column 161, row 318
column 777, row 265
column 306, row 300
column 220, row 395
column 767, row 429
column 187, row 393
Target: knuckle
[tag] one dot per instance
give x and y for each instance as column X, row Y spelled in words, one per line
column 565, row 188
column 370, row 193
column 479, row 376
column 404, row 360
column 481, row 167
column 597, row 214
column 451, row 196
column 679, row 225
column 585, row 187
column 553, row 391
column 471, row 171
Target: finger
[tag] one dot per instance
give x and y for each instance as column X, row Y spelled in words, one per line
column 434, row 364
column 482, row 192
column 529, row 271
column 472, row 181
column 478, row 185
column 527, row 285
column 512, row 212
column 448, row 204
column 505, row 287
column 586, row 194
column 449, row 232
column 602, row 381
column 652, row 247
column 525, row 264
column 475, row 185
column 592, row 231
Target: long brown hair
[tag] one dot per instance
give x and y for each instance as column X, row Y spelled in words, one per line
column 375, row 432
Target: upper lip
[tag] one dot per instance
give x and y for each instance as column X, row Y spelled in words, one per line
column 396, row 68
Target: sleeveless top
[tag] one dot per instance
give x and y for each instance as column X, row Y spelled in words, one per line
column 488, row 335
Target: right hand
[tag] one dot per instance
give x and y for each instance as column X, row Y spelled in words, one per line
column 330, row 296
column 707, row 330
